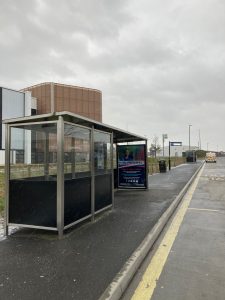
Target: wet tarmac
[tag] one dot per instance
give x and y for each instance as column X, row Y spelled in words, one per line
column 195, row 268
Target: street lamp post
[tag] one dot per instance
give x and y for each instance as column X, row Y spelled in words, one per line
column 164, row 136
column 189, row 137
column 169, row 157
column 199, row 138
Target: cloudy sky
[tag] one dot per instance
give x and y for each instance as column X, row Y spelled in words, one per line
column 159, row 64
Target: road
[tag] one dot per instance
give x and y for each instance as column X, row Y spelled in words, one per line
column 188, row 261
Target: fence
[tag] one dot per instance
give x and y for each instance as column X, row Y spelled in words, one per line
column 21, row 171
column 153, row 167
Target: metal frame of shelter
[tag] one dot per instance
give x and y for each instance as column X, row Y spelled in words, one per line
column 20, row 192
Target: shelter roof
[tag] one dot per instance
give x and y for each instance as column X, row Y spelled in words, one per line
column 119, row 135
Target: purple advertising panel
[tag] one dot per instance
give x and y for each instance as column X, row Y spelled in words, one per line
column 131, row 166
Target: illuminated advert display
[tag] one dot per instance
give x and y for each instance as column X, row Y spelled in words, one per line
column 131, row 166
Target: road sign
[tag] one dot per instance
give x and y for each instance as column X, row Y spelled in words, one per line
column 175, row 143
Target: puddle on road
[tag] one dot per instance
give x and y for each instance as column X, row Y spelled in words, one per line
column 215, row 177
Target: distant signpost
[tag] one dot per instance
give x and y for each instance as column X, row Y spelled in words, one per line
column 173, row 144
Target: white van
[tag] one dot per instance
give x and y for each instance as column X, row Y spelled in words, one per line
column 210, row 157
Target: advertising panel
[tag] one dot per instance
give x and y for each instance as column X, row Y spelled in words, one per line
column 131, row 166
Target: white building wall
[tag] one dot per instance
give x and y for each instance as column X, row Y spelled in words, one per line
column 14, row 105
column 30, row 103
column 176, row 150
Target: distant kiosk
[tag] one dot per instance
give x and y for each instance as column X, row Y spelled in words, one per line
column 191, row 156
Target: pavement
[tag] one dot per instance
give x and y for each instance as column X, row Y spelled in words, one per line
column 36, row 265
column 195, row 268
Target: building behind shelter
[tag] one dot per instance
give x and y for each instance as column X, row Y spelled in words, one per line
column 43, row 98
column 56, row 97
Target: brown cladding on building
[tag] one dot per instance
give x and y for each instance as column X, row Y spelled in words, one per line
column 56, row 97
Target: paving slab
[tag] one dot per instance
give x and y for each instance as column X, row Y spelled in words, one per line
column 36, row 265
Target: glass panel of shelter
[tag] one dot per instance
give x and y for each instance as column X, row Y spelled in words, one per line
column 77, row 173
column 33, row 151
column 33, row 175
column 76, row 151
column 102, row 170
column 102, row 153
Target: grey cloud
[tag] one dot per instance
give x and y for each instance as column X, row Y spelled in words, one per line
column 160, row 64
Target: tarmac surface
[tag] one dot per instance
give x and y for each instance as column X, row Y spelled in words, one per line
column 36, row 265
column 195, row 268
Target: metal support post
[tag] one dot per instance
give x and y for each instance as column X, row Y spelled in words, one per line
column 92, row 176
column 112, row 169
column 46, row 156
column 164, row 136
column 73, row 160
column 169, row 157
column 7, row 177
column 60, row 176
column 189, row 137
column 146, row 163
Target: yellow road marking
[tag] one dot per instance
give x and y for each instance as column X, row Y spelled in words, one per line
column 149, row 280
column 206, row 209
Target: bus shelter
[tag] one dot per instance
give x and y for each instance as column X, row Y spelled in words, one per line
column 60, row 169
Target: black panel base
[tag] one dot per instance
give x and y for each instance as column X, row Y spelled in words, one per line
column 77, row 199
column 32, row 202
column 103, row 191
